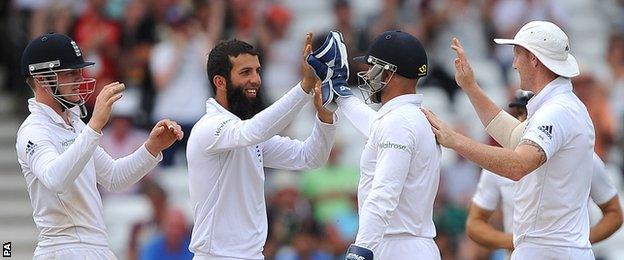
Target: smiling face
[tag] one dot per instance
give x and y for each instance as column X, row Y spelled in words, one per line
column 245, row 75
column 243, row 86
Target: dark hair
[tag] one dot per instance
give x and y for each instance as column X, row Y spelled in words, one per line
column 219, row 62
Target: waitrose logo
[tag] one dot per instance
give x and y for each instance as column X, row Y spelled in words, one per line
column 390, row 145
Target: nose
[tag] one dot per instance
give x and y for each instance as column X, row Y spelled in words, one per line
column 255, row 79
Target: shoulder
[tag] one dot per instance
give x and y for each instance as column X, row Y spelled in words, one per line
column 213, row 124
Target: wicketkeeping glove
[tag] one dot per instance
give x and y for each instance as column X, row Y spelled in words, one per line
column 330, row 64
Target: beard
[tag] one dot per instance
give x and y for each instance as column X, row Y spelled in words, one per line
column 241, row 106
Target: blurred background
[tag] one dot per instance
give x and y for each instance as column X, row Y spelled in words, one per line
column 159, row 48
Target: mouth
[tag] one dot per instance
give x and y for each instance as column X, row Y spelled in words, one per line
column 251, row 92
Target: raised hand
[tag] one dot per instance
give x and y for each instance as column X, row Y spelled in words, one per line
column 309, row 78
column 464, row 76
column 104, row 104
column 163, row 135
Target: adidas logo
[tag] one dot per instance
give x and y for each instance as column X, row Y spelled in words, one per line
column 30, row 148
column 546, row 129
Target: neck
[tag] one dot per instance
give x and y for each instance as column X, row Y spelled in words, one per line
column 47, row 100
column 400, row 88
column 221, row 98
column 541, row 80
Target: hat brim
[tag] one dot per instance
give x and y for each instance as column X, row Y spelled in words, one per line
column 566, row 68
column 81, row 65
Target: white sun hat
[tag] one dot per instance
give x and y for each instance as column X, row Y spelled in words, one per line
column 549, row 44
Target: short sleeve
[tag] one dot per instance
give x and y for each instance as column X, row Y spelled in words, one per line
column 488, row 193
column 602, row 188
column 545, row 129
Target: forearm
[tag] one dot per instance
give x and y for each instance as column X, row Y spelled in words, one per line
column 316, row 148
column 276, row 117
column 130, row 169
column 357, row 113
column 502, row 161
column 484, row 234
column 604, row 228
column 486, row 108
column 60, row 172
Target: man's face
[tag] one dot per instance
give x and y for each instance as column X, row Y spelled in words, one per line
column 522, row 63
column 243, row 86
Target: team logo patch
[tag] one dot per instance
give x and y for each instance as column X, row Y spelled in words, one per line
column 30, row 148
column 546, row 129
column 422, row 71
column 76, row 49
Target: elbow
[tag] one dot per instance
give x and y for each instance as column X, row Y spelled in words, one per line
column 56, row 186
column 515, row 173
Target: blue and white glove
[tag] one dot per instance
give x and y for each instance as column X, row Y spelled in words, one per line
column 330, row 64
column 359, row 253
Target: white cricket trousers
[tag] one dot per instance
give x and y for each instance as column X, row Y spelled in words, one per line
column 534, row 252
column 78, row 253
column 400, row 247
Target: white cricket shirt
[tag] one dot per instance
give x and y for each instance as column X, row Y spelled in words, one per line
column 62, row 165
column 399, row 170
column 226, row 157
column 550, row 204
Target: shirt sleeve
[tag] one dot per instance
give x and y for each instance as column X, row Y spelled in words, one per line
column 56, row 171
column 359, row 114
column 225, row 132
column 284, row 153
column 602, row 188
column 545, row 129
column 396, row 146
column 117, row 175
column 488, row 193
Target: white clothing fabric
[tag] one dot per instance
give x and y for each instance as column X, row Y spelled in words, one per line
column 533, row 251
column 550, row 204
column 407, row 248
column 62, row 165
column 226, row 157
column 78, row 253
column 400, row 170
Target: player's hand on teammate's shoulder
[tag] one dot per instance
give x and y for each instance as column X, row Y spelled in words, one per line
column 309, row 78
column 326, row 116
column 464, row 76
column 163, row 135
column 104, row 104
column 444, row 134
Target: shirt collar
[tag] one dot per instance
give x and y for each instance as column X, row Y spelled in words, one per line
column 400, row 100
column 40, row 108
column 213, row 106
column 557, row 86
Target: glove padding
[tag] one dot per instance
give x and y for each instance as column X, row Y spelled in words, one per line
column 330, row 64
column 359, row 253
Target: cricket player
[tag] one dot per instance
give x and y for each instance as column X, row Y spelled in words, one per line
column 60, row 157
column 493, row 189
column 553, row 162
column 231, row 144
column 400, row 164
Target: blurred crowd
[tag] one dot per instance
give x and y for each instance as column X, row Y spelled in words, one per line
column 159, row 49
